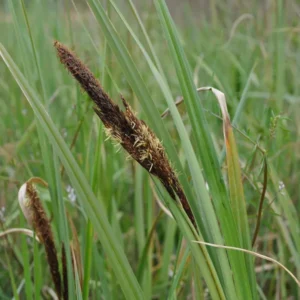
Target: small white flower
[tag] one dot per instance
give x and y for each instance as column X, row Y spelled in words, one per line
column 170, row 273
column 71, row 194
column 281, row 186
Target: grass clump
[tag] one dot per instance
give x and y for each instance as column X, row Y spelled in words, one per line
column 104, row 206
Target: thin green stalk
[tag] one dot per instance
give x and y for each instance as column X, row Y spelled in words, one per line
column 87, row 260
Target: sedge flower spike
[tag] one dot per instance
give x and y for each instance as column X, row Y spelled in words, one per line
column 126, row 129
column 35, row 215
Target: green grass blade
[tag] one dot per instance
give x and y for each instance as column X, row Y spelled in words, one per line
column 12, row 277
column 145, row 34
column 37, row 270
column 203, row 261
column 26, row 267
column 177, row 276
column 290, row 213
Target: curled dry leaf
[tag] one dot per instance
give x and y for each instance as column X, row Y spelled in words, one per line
column 274, row 261
column 25, row 231
column 236, row 189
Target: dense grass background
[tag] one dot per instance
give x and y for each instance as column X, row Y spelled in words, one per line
column 247, row 49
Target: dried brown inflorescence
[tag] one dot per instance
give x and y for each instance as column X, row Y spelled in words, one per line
column 35, row 214
column 125, row 128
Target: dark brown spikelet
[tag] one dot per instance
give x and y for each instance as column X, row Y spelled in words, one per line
column 43, row 230
column 125, row 128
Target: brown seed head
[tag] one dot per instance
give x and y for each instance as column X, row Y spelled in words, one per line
column 35, row 214
column 125, row 128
